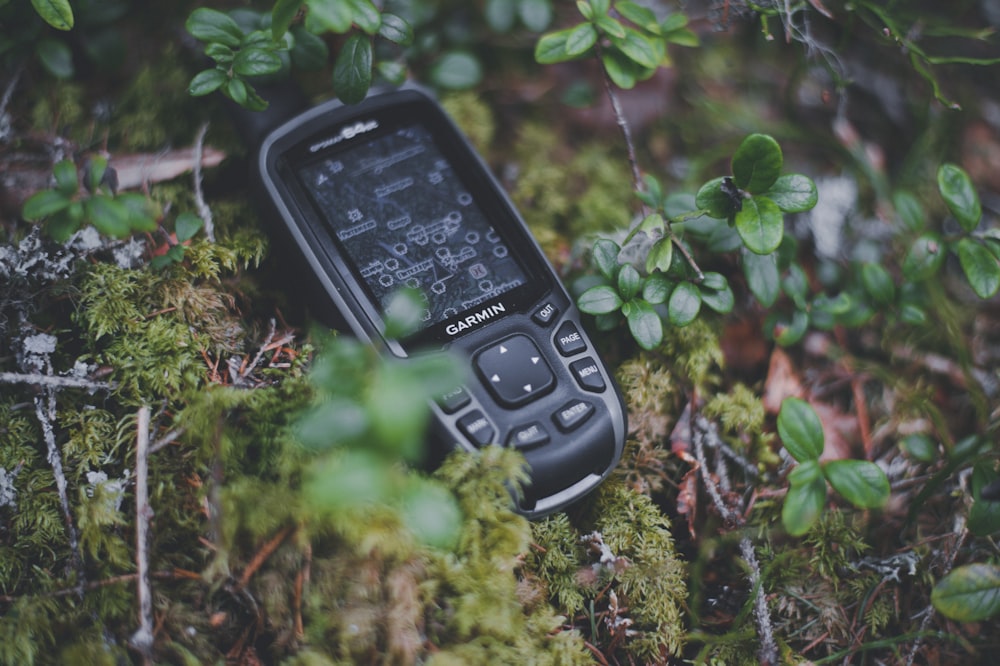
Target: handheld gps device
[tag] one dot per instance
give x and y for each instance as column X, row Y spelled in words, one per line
column 388, row 194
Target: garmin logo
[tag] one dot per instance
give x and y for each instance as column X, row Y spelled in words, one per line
column 475, row 319
column 346, row 133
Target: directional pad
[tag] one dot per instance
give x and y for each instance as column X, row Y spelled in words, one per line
column 515, row 371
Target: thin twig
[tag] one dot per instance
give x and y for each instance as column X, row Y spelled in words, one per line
column 204, row 212
column 265, row 552
column 53, row 381
column 768, row 653
column 702, row 428
column 166, row 440
column 142, row 639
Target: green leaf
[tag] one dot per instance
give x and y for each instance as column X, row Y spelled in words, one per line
column 352, row 72
column 207, row 81
column 365, row 15
column 94, row 172
column 984, row 516
column 794, row 193
column 909, row 210
column 500, row 15
column 629, row 282
column 337, row 483
column 638, row 48
column 660, row 255
column 396, row 29
column 717, row 294
column 805, row 499
column 760, row 224
column 142, row 212
column 210, row 25
column 599, row 300
column 600, row 6
column 609, row 26
column 57, row 13
column 282, row 15
column 44, row 203
column 605, row 255
column 684, row 305
column 62, row 225
column 970, row 593
column 762, row 276
column 980, row 266
column 256, row 61
column 920, row 447
column 713, row 199
column 645, row 325
column 789, row 332
column 860, row 482
column 56, row 57
column 187, row 225
column 620, row 69
column 236, row 89
column 796, row 285
column 639, row 15
column 800, row 429
column 336, row 16
column 309, row 51
column 924, row 258
column 220, row 53
column 551, row 47
column 757, row 163
column 586, row 9
column 64, row 173
column 656, row 290
column 536, row 15
column 580, row 39
column 109, row 216
column 878, row 283
column 457, row 70
column 959, row 194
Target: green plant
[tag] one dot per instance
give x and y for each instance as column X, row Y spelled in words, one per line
column 185, row 227
column 860, row 482
column 67, row 206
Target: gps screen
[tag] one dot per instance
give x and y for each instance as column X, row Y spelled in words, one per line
column 404, row 218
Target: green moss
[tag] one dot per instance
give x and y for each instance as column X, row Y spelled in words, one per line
column 473, row 116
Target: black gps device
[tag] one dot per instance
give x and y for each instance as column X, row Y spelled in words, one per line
column 387, row 194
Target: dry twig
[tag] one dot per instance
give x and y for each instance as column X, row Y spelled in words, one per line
column 142, row 639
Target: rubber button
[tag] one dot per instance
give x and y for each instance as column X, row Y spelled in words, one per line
column 528, row 436
column 453, row 401
column 477, row 428
column 568, row 339
column 515, row 371
column 588, row 375
column 545, row 314
column 572, row 415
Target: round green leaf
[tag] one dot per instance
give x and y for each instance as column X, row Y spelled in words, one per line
column 352, row 72
column 984, row 516
column 760, row 225
column 980, row 266
column 255, row 61
column 210, row 25
column 790, row 331
column 56, row 57
column 757, row 163
column 536, row 15
column 142, row 212
column 629, row 282
column 282, row 15
column 551, row 47
column 909, row 210
column 796, row 285
column 656, row 290
column 878, row 283
column 62, row 225
column 959, row 194
column 236, row 90
column 924, row 258
column 110, row 217
column 800, row 429
column 57, row 13
column 970, row 593
column 365, row 15
column 207, row 81
column 622, row 71
column 599, row 300
column 349, row 480
column 645, row 325
column 860, row 482
column 711, row 198
column 580, row 39
column 605, row 254
column 500, row 15
column 64, row 173
column 920, row 447
column 660, row 255
column 639, row 49
column 44, row 203
column 762, row 276
column 794, row 193
column 642, row 16
column 457, row 71
column 396, row 29
column 187, row 225
column 335, row 16
column 717, row 294
column 804, row 501
column 684, row 305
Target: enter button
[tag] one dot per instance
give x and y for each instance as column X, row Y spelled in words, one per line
column 571, row 415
